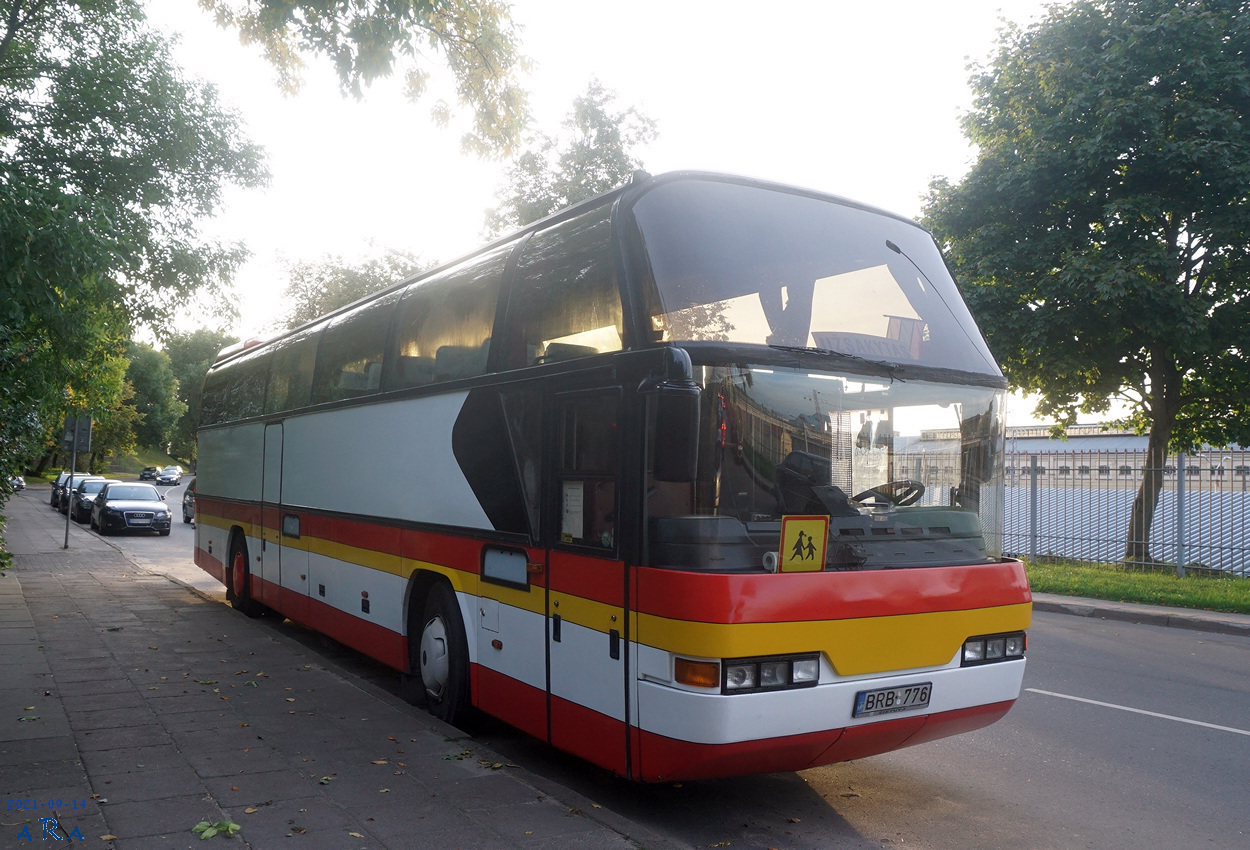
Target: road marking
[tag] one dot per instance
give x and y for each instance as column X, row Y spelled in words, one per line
column 1140, row 711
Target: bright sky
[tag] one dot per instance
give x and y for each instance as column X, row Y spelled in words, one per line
column 858, row 99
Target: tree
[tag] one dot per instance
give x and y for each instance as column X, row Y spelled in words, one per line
column 155, row 394
column 60, row 318
column 114, row 428
column 109, row 159
column 190, row 356
column 317, row 288
column 93, row 105
column 366, row 39
column 1103, row 233
column 552, row 173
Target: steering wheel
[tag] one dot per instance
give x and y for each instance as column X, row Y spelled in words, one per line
column 898, row 493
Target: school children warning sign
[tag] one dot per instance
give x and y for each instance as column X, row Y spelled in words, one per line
column 803, row 543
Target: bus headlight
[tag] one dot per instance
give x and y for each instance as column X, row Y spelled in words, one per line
column 741, row 677
column 771, row 674
column 987, row 649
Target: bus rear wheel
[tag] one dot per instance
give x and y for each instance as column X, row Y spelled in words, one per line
column 443, row 657
column 238, row 581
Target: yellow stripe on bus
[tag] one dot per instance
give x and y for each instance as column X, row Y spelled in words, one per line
column 854, row 647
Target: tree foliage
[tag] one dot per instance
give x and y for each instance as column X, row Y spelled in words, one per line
column 60, row 316
column 318, row 287
column 1103, row 233
column 113, row 429
column 109, row 159
column 597, row 155
column 367, row 39
column 155, row 394
column 190, row 356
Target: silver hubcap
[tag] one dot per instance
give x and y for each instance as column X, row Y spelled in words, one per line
column 435, row 663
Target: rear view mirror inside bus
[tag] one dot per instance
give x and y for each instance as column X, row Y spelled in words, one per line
column 676, row 433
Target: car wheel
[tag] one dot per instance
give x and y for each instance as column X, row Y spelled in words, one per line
column 239, row 580
column 443, row 657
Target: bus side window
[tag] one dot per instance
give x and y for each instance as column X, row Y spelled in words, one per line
column 565, row 302
column 291, row 379
column 442, row 331
column 247, row 386
column 349, row 358
column 213, row 401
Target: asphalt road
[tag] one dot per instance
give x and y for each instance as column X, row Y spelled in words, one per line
column 1127, row 736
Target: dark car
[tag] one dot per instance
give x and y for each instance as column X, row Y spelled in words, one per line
column 149, row 473
column 82, row 496
column 169, row 475
column 129, row 506
column 67, row 492
column 59, row 483
column 188, row 503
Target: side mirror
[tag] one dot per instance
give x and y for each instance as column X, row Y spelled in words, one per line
column 676, row 443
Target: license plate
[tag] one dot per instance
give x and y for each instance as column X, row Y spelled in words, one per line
column 141, row 520
column 890, row 700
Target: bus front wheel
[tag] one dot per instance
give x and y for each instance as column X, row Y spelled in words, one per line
column 443, row 657
column 238, row 581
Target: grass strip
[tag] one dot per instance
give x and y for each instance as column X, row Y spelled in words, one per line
column 1127, row 584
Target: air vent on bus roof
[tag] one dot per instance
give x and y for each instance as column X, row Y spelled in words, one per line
column 237, row 347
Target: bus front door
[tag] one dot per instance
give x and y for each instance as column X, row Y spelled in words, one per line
column 586, row 582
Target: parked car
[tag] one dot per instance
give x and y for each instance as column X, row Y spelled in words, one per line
column 149, row 473
column 188, row 503
column 83, row 495
column 129, row 506
column 67, row 494
column 56, row 488
column 17, row 482
column 170, row 475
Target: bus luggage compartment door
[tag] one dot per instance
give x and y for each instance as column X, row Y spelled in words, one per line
column 585, row 640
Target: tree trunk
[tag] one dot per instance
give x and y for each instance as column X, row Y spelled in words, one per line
column 1137, row 539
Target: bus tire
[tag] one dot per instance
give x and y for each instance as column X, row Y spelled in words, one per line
column 238, row 580
column 443, row 657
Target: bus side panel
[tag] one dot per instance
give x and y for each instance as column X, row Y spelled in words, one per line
column 390, row 461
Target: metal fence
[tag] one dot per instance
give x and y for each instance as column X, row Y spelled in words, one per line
column 1077, row 505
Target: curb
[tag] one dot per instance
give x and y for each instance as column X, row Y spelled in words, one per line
column 1151, row 615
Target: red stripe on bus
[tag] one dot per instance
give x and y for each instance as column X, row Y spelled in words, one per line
column 232, row 511
column 511, row 700
column 588, row 734
column 455, row 552
column 210, row 565
column 796, row 597
column 663, row 759
column 378, row 642
column 588, row 577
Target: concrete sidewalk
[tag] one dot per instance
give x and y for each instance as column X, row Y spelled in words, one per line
column 133, row 708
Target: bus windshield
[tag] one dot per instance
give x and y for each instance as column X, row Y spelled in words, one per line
column 906, row 471
column 743, row 264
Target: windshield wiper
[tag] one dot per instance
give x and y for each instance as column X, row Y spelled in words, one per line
column 824, row 352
